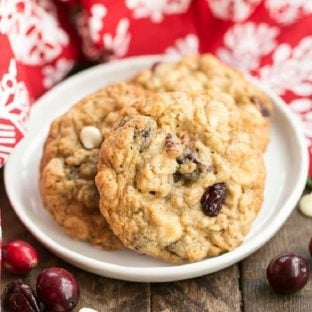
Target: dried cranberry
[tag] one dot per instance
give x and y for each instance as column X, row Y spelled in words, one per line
column 143, row 137
column 18, row 296
column 124, row 121
column 186, row 157
column 155, row 65
column 260, row 105
column 310, row 247
column 169, row 142
column 58, row 289
column 213, row 199
column 144, row 133
column 288, row 273
column 187, row 177
column 19, row 257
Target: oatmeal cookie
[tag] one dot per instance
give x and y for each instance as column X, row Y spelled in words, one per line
column 179, row 178
column 205, row 72
column 69, row 161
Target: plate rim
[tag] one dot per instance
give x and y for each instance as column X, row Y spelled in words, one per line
column 158, row 273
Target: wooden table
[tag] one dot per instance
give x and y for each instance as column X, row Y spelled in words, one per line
column 241, row 287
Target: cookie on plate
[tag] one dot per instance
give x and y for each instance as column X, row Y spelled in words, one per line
column 205, row 72
column 179, row 178
column 69, row 161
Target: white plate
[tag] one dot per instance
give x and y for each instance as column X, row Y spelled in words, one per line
column 286, row 162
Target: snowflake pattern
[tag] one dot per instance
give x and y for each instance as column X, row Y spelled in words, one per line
column 291, row 69
column 233, row 10
column 54, row 73
column 119, row 44
column 245, row 44
column 303, row 108
column 182, row 46
column 287, row 12
column 156, row 9
column 14, row 107
column 33, row 30
column 88, row 47
column 96, row 21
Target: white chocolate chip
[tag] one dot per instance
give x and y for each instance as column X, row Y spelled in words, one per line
column 305, row 205
column 90, row 137
column 87, row 310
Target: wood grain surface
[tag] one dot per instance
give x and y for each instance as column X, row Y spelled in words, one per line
column 239, row 288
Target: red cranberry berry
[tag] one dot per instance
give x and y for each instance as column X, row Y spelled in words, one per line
column 19, row 257
column 260, row 105
column 155, row 65
column 310, row 246
column 57, row 289
column 288, row 273
column 213, row 199
column 18, row 296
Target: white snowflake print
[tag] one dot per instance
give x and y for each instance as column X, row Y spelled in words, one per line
column 88, row 47
column 291, row 69
column 233, row 10
column 245, row 44
column 54, row 73
column 303, row 108
column 156, row 9
column 14, row 107
column 32, row 29
column 182, row 46
column 287, row 12
column 96, row 21
column 118, row 44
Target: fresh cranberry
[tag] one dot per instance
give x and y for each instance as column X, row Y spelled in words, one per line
column 57, row 289
column 288, row 273
column 19, row 257
column 310, row 247
column 18, row 296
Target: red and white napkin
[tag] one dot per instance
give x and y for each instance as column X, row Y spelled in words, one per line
column 41, row 40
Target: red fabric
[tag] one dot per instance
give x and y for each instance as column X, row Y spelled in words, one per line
column 39, row 45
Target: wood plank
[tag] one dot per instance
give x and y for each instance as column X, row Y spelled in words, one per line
column 218, row 292
column 294, row 236
column 102, row 294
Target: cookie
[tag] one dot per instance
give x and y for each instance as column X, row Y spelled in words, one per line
column 179, row 178
column 205, row 72
column 69, row 161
